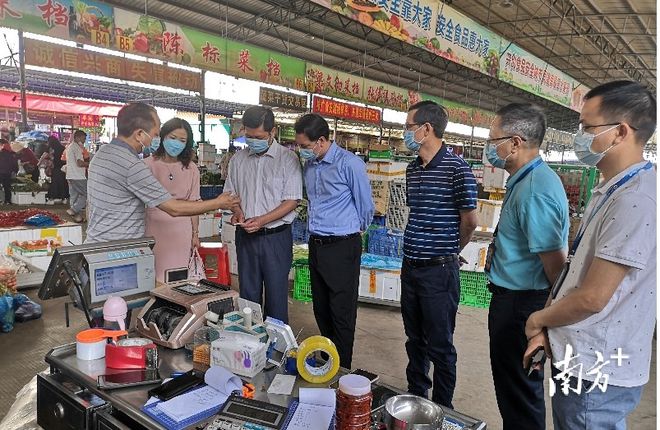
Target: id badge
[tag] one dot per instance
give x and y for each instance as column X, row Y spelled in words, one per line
column 560, row 279
column 489, row 256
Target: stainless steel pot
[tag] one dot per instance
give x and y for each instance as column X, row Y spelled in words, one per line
column 408, row 412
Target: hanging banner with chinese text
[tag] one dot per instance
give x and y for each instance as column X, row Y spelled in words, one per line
column 89, row 121
column 322, row 80
column 55, row 56
column 458, row 112
column 428, row 24
column 384, row 95
column 250, row 62
column 208, row 51
column 274, row 98
column 85, row 21
column 482, row 118
column 523, row 70
column 336, row 109
column 462, row 40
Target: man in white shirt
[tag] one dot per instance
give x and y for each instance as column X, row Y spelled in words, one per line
column 76, row 175
column 268, row 178
column 602, row 310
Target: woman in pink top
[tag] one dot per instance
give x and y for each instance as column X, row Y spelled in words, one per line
column 172, row 166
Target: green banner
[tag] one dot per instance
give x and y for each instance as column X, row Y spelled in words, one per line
column 208, row 51
column 321, row 80
column 249, row 62
column 82, row 21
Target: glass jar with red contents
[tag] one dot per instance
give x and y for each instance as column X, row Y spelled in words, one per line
column 353, row 403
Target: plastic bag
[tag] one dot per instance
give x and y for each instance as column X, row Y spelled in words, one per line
column 40, row 220
column 8, row 271
column 7, row 313
column 196, row 266
column 26, row 309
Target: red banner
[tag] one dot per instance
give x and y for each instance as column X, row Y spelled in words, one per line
column 89, row 120
column 335, row 109
column 54, row 56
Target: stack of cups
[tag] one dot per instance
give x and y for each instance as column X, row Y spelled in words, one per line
column 353, row 403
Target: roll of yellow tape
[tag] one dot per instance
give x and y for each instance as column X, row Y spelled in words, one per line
column 322, row 374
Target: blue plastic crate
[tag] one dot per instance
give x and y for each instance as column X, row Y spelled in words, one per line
column 208, row 192
column 299, row 231
column 387, row 242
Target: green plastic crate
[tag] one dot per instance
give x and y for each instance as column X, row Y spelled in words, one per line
column 380, row 155
column 302, row 285
column 474, row 289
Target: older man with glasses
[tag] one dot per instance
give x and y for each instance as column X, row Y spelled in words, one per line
column 524, row 259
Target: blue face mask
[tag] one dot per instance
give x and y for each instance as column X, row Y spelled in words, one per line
column 582, row 145
column 491, row 155
column 409, row 139
column 174, row 147
column 257, row 146
column 308, row 153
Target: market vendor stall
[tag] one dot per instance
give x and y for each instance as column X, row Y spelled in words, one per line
column 247, row 373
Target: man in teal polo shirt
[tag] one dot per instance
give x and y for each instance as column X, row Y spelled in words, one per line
column 527, row 254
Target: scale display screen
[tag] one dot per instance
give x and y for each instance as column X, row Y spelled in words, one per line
column 111, row 280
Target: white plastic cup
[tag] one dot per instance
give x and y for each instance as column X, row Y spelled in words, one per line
column 90, row 344
column 247, row 317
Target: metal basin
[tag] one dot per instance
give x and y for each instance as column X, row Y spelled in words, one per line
column 406, row 412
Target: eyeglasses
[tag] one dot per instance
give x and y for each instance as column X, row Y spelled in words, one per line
column 489, row 141
column 582, row 127
column 409, row 126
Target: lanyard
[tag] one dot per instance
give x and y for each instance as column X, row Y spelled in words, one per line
column 608, row 194
column 509, row 190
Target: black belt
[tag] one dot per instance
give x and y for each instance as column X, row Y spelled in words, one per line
column 435, row 261
column 498, row 291
column 265, row 231
column 325, row 240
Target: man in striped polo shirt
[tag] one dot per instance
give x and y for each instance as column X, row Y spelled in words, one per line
column 120, row 185
column 442, row 197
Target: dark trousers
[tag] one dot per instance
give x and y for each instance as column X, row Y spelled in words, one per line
column 334, row 270
column 429, row 302
column 520, row 398
column 5, row 180
column 264, row 262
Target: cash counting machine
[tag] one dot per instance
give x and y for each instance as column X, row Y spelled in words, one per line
column 93, row 272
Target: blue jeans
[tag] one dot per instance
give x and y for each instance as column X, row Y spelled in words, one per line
column 594, row 410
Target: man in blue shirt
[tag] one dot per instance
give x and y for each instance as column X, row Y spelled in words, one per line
column 340, row 207
column 442, row 197
column 527, row 254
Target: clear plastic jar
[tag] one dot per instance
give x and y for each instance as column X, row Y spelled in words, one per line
column 202, row 346
column 354, row 399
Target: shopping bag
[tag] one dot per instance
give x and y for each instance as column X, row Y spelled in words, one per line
column 196, row 266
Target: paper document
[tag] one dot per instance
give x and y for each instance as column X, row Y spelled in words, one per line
column 220, row 384
column 282, row 384
column 315, row 409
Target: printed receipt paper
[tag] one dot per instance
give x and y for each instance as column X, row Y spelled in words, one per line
column 220, row 383
column 315, row 409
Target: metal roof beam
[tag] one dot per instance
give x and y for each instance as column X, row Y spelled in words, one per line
column 590, row 15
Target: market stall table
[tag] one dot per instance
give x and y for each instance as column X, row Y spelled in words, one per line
column 69, row 397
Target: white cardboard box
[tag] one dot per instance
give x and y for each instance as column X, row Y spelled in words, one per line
column 206, row 225
column 28, row 198
column 494, row 177
column 488, row 213
column 233, row 259
column 228, row 232
column 380, row 284
column 386, row 170
column 475, row 254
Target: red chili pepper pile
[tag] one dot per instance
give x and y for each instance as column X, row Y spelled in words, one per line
column 17, row 218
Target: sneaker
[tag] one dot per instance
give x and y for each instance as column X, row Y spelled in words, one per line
column 70, row 212
column 57, row 201
column 78, row 219
column 50, row 202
